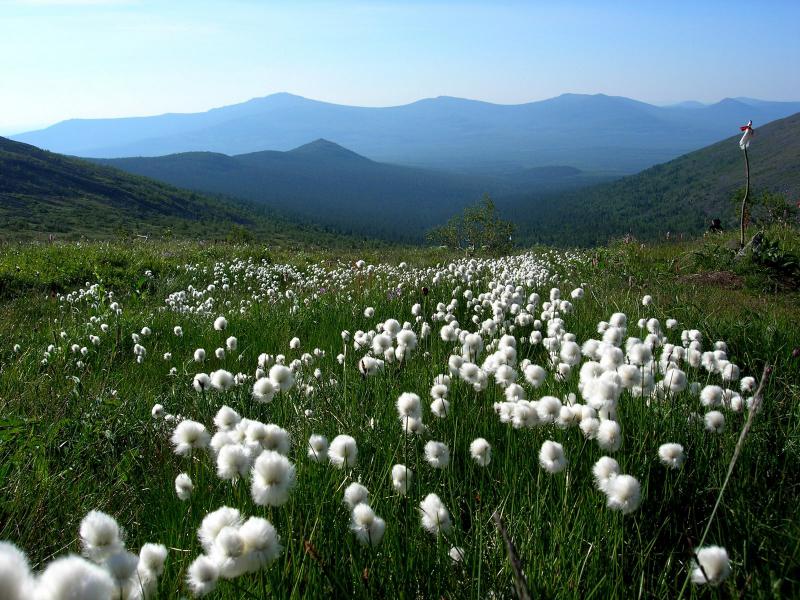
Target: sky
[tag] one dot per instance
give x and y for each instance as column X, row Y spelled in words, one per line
column 62, row 59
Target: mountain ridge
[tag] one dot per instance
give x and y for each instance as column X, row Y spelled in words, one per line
column 595, row 133
column 680, row 196
column 328, row 184
column 44, row 193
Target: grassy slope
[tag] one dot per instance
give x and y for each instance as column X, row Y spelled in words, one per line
column 67, row 447
column 43, row 193
column 680, row 196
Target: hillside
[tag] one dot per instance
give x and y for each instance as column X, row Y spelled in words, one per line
column 43, row 193
column 326, row 183
column 680, row 196
column 595, row 133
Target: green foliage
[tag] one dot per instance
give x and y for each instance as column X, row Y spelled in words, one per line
column 680, row 197
column 239, row 235
column 771, row 261
column 479, row 228
column 72, row 444
column 774, row 208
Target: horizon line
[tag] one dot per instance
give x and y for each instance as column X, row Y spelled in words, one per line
column 19, row 131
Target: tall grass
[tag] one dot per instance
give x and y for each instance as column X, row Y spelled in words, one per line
column 75, row 438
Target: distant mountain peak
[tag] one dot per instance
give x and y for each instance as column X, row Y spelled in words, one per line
column 326, row 148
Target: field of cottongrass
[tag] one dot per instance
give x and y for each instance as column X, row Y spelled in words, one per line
column 224, row 424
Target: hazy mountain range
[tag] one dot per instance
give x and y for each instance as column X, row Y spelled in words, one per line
column 326, row 183
column 329, row 189
column 594, row 133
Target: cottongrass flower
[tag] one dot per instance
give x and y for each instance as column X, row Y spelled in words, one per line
column 675, row 380
column 711, row 566
column 189, row 435
column 214, row 522
column 456, row 554
column 434, row 514
column 227, row 552
column 409, row 405
column 590, row 427
column 152, row 558
column 178, row 330
column 202, row 576
column 220, row 353
column 264, row 390
column 231, row 344
column 552, row 458
column 401, row 479
column 481, row 451
column 100, row 536
column 157, row 411
column 270, row 436
column 440, row 408
column 201, row 382
column 183, row 486
column 262, row 544
column 354, row 494
column 343, row 452
column 711, row 395
column 747, row 384
column 122, row 567
column 16, row 581
column 624, row 493
column 548, row 408
column 282, row 377
column 73, row 578
column 199, row 355
column 220, row 323
column 609, row 436
column 318, row 448
column 222, row 380
column 226, row 418
column 273, row 477
column 144, row 583
column 233, row 462
column 368, row 527
column 671, row 455
column 437, row 454
column 604, row 470
column 715, row 421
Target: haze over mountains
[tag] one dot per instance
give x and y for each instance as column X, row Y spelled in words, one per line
column 594, row 133
column 323, row 182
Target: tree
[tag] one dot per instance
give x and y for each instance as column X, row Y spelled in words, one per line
column 239, row 235
column 478, row 228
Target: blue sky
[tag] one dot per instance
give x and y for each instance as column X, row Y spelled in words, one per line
column 61, row 59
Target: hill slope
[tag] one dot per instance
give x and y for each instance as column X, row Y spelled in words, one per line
column 593, row 133
column 44, row 193
column 680, row 196
column 326, row 183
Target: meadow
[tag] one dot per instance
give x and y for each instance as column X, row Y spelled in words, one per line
column 364, row 415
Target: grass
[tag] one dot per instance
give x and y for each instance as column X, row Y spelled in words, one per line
column 74, row 438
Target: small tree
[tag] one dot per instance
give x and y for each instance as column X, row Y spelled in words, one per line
column 239, row 235
column 478, row 228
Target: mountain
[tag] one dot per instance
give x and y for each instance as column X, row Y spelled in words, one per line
column 325, row 183
column 44, row 193
column 680, row 196
column 595, row 133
